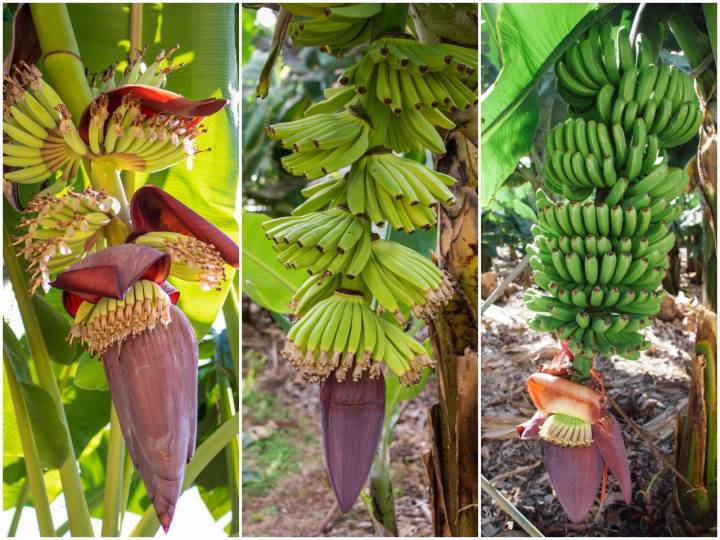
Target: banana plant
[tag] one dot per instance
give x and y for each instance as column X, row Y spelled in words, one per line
column 611, row 181
column 352, row 312
column 119, row 268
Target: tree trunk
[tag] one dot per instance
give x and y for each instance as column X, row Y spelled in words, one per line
column 451, row 463
column 694, row 508
column 693, row 511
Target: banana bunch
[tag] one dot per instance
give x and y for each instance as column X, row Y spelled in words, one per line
column 584, row 155
column 40, row 137
column 341, row 334
column 603, row 264
column 396, row 275
column 62, row 230
column 132, row 141
column 110, row 321
column 192, row 259
column 404, row 74
column 327, row 242
column 323, row 143
column 136, row 72
column 334, row 28
column 603, row 76
column 391, row 100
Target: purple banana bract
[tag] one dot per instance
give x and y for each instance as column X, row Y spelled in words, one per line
column 124, row 313
column 351, row 415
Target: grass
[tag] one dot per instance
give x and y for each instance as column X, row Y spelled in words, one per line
column 267, row 459
column 259, row 408
column 271, row 458
column 259, row 517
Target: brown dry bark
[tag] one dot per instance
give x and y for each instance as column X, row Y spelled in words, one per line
column 452, row 461
column 693, row 510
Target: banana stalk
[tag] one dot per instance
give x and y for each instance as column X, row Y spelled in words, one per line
column 33, row 467
column 232, row 450
column 72, row 487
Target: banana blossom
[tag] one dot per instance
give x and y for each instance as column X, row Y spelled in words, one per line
column 125, row 314
column 581, row 439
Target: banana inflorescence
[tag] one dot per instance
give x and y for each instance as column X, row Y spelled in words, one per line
column 41, row 139
column 390, row 101
column 601, row 261
column 131, row 124
column 62, row 230
column 136, row 72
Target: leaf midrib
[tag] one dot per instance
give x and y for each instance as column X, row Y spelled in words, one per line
column 579, row 28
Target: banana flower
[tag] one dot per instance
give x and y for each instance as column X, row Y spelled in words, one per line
column 351, row 417
column 124, row 314
column 199, row 251
column 581, row 439
column 135, row 127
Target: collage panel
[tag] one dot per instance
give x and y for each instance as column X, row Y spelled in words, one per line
column 598, row 269
column 120, row 270
column 360, row 259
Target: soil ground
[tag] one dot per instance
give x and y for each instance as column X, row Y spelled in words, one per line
column 651, row 391
column 285, row 486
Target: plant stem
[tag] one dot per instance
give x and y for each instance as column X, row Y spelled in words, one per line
column 136, row 22
column 232, row 450
column 217, row 440
column 381, row 490
column 694, row 44
column 69, row 476
column 113, row 477
column 61, row 56
column 93, row 500
column 508, row 507
column 128, row 469
column 232, row 323
column 103, row 176
column 710, row 12
column 22, row 497
column 33, row 468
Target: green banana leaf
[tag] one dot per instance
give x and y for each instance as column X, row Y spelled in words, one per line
column 507, row 145
column 90, row 374
column 531, row 37
column 265, row 279
column 206, row 34
column 45, row 423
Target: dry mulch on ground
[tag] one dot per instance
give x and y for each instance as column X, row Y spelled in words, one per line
column 651, row 391
column 302, row 501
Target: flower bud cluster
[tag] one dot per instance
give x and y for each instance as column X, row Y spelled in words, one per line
column 62, row 230
column 39, row 137
column 136, row 71
column 110, row 321
column 192, row 259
